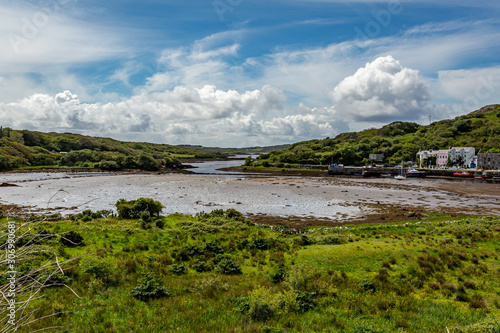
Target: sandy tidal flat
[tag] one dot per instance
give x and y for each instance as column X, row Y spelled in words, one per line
column 330, row 199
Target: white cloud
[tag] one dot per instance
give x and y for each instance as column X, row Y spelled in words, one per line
column 381, row 91
column 37, row 36
column 480, row 86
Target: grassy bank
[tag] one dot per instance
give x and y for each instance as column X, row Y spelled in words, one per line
column 219, row 272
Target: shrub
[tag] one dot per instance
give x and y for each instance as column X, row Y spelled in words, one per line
column 299, row 277
column 160, row 224
column 278, row 275
column 435, row 285
column 202, row 266
column 330, row 240
column 229, row 267
column 177, row 269
column 470, row 284
column 462, row 297
column 304, row 240
column 149, row 288
column 192, row 250
column 71, row 239
column 99, row 268
column 146, row 162
column 477, row 302
column 211, row 286
column 213, row 247
column 262, row 304
column 96, row 286
column 259, row 243
column 145, row 220
column 109, row 165
column 305, row 300
column 134, row 208
column 234, row 214
column 368, row 285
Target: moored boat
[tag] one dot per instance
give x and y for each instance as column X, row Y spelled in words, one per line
column 415, row 173
column 463, row 174
column 483, row 175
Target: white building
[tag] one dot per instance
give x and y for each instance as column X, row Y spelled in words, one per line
column 454, row 154
column 464, row 154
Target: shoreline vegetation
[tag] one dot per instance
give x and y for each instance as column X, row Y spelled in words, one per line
column 140, row 271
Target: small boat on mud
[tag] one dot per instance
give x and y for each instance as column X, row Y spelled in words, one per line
column 414, row 173
column 483, row 175
column 463, row 174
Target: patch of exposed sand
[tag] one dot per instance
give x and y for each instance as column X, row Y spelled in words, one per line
column 303, row 201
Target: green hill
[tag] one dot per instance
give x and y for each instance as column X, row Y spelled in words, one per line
column 479, row 129
column 245, row 150
column 20, row 149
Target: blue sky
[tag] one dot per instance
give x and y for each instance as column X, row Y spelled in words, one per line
column 241, row 72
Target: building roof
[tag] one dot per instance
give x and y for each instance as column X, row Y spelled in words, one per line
column 467, row 149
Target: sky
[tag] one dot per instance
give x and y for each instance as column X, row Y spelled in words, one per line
column 236, row 73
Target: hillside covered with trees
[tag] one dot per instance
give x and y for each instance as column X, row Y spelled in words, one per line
column 20, row 149
column 396, row 141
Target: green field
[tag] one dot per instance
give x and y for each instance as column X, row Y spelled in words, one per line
column 219, row 272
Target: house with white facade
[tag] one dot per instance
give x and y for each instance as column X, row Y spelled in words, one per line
column 463, row 155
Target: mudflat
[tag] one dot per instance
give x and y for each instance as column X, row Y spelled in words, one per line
column 287, row 200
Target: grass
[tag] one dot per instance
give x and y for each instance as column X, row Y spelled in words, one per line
column 409, row 276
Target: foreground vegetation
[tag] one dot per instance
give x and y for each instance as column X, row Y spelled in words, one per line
column 397, row 141
column 30, row 149
column 219, row 272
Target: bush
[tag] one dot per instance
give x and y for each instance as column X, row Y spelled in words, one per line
column 278, row 275
column 109, row 165
column 305, row 300
column 260, row 243
column 160, row 224
column 477, row 302
column 368, row 285
column 330, row 240
column 211, row 286
column 229, row 267
column 177, row 269
column 262, row 303
column 134, row 208
column 146, row 162
column 149, row 288
column 202, row 266
column 213, row 247
column 72, row 239
column 99, row 268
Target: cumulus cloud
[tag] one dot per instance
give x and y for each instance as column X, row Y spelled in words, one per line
column 205, row 115
column 382, row 91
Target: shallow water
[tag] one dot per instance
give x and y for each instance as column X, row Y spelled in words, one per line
column 330, row 198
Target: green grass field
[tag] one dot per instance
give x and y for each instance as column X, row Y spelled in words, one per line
column 219, row 273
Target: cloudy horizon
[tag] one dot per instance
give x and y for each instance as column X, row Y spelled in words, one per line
column 235, row 73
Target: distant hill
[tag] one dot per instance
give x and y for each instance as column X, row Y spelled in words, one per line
column 246, row 150
column 396, row 141
column 20, row 149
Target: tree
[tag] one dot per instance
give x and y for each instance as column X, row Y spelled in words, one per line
column 134, row 208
